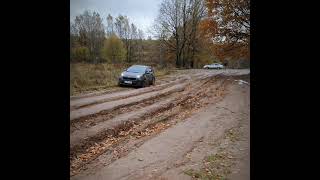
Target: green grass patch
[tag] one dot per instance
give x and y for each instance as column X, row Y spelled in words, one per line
column 216, row 167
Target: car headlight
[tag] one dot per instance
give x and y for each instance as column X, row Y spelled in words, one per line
column 139, row 76
column 122, row 74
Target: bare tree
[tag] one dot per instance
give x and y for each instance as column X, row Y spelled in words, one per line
column 134, row 31
column 89, row 29
column 177, row 27
column 167, row 25
column 134, row 43
column 110, row 30
column 119, row 25
column 124, row 31
column 197, row 12
column 73, row 35
column 140, row 34
column 140, row 44
column 127, row 42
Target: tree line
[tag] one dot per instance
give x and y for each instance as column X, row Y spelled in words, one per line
column 189, row 34
column 92, row 41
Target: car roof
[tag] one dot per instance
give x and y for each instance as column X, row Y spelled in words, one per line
column 139, row 66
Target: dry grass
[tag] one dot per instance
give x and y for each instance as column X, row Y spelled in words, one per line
column 91, row 77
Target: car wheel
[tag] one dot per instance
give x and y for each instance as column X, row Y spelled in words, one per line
column 153, row 81
column 143, row 84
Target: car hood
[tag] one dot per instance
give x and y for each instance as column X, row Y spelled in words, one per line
column 131, row 74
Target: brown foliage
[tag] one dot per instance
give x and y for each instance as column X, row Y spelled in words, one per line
column 228, row 25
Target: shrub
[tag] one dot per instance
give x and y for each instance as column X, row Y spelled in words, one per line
column 113, row 50
column 80, row 54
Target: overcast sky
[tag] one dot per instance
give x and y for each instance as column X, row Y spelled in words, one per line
column 140, row 12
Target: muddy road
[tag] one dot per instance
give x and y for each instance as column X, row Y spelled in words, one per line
column 191, row 124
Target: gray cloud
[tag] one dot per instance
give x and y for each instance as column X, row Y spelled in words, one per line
column 140, row 12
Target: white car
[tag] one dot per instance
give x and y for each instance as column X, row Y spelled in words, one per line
column 213, row 66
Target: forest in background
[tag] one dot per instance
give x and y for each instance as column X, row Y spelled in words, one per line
column 185, row 34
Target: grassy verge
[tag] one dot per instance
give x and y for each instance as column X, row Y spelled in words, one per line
column 93, row 77
column 217, row 166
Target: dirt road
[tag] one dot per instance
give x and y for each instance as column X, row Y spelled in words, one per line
column 194, row 124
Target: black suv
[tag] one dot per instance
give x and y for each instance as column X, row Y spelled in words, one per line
column 138, row 76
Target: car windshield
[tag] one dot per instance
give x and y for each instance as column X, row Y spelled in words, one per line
column 136, row 69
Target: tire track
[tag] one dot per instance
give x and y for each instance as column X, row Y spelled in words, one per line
column 84, row 102
column 87, row 122
column 186, row 102
column 108, row 134
column 111, row 127
column 109, row 106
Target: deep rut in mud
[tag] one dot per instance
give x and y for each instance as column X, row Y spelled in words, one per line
column 112, row 105
column 89, row 101
column 107, row 115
